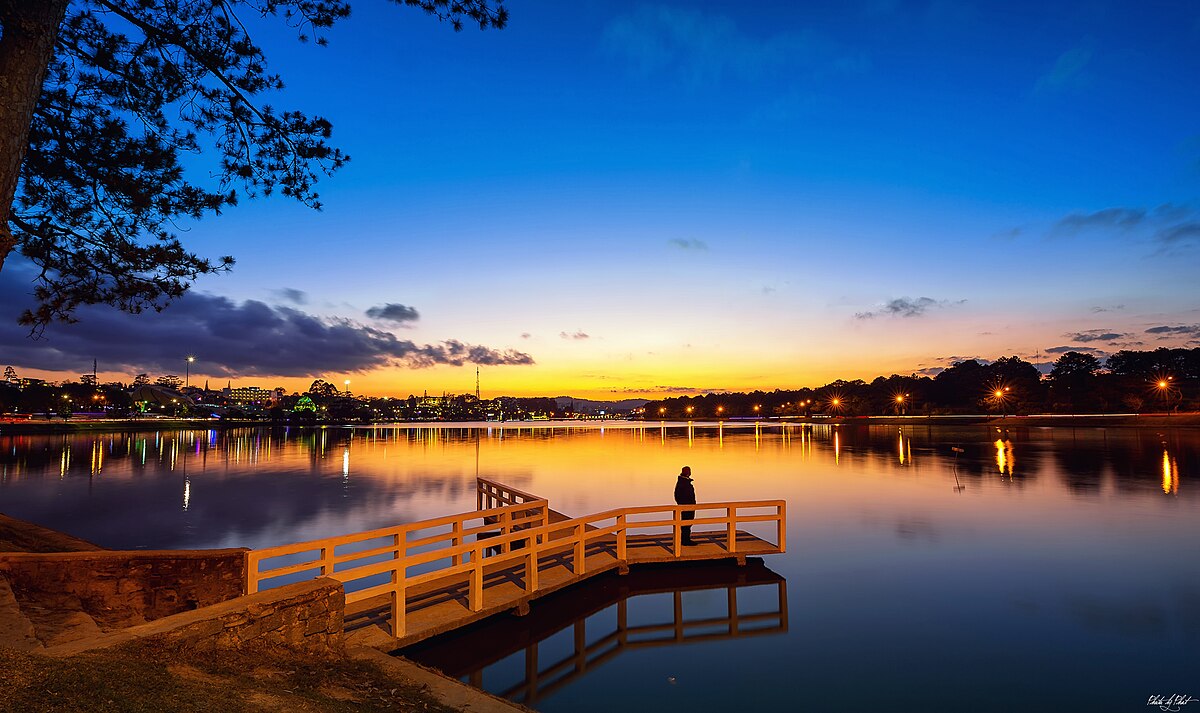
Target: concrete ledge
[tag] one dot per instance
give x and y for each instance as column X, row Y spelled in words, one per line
column 449, row 691
column 22, row 536
column 305, row 616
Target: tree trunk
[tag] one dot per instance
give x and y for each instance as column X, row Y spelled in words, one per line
column 28, row 29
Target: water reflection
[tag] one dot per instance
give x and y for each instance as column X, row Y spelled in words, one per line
column 569, row 634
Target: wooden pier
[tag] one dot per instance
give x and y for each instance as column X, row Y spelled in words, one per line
column 416, row 580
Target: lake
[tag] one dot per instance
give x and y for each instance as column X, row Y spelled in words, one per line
column 1038, row 569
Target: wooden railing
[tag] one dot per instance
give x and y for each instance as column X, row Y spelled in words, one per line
column 515, row 535
column 490, row 494
column 391, row 552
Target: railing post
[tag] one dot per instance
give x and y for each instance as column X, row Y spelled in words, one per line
column 622, row 541
column 475, row 590
column 455, row 541
column 677, row 546
column 531, row 565
column 251, row 572
column 326, row 560
column 399, row 574
column 505, row 529
column 580, row 550
column 782, row 534
column 731, row 513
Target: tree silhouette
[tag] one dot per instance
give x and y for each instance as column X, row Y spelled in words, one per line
column 101, row 98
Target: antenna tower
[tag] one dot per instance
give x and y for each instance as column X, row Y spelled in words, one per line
column 477, row 383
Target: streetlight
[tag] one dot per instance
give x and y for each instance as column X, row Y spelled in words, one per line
column 347, row 383
column 662, row 410
column 187, row 370
column 690, row 409
column 1164, row 389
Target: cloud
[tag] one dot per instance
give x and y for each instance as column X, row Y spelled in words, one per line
column 1108, row 219
column 229, row 338
column 1112, row 308
column 1185, row 330
column 394, row 312
column 1171, row 225
column 526, row 335
column 1095, row 335
column 906, row 307
column 688, row 244
column 1082, row 350
column 1066, row 72
column 704, row 48
column 292, row 295
column 1186, row 232
column 574, row 335
column 768, row 290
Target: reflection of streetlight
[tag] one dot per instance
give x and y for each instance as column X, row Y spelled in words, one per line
column 187, row 370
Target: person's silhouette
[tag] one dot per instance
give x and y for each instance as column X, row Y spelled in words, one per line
column 685, row 494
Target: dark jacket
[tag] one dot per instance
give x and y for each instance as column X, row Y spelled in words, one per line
column 685, row 492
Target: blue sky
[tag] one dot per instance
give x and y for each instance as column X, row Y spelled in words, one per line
column 733, row 195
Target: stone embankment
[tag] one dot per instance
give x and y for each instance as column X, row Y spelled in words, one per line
column 63, row 597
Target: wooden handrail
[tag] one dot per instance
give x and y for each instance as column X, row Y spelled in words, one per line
column 523, row 534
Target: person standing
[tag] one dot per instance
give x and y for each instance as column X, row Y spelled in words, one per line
column 685, row 494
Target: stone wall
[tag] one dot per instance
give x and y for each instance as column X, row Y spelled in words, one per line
column 120, row 588
column 308, row 616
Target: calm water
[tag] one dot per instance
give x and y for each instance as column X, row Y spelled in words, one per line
column 1042, row 570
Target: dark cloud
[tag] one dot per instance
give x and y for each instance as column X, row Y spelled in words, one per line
column 292, row 295
column 1111, row 308
column 574, row 335
column 1095, row 335
column 526, row 335
column 394, row 312
column 1169, row 224
column 688, row 244
column 1109, row 218
column 1188, row 330
column 906, row 307
column 1081, row 350
column 1177, row 234
column 228, row 338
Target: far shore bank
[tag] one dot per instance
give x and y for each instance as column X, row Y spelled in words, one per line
column 1175, row 420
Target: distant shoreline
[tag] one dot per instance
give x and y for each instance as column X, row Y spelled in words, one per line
column 1181, row 420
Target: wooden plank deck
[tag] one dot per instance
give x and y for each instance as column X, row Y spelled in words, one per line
column 442, row 605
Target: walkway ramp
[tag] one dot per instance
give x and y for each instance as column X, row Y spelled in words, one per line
column 413, row 581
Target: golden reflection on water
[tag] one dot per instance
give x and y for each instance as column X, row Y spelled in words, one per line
column 1170, row 474
column 1005, row 461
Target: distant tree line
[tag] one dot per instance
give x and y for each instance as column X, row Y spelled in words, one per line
column 1128, row 381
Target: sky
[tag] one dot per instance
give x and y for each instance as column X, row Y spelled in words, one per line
column 641, row 199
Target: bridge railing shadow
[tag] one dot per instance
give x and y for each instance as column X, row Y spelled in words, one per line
column 472, row 653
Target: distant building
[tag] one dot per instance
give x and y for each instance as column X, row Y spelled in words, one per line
column 251, row 394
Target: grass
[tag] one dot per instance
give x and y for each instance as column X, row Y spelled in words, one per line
column 152, row 676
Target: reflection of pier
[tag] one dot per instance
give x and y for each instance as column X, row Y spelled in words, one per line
column 469, row 652
column 410, row 582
